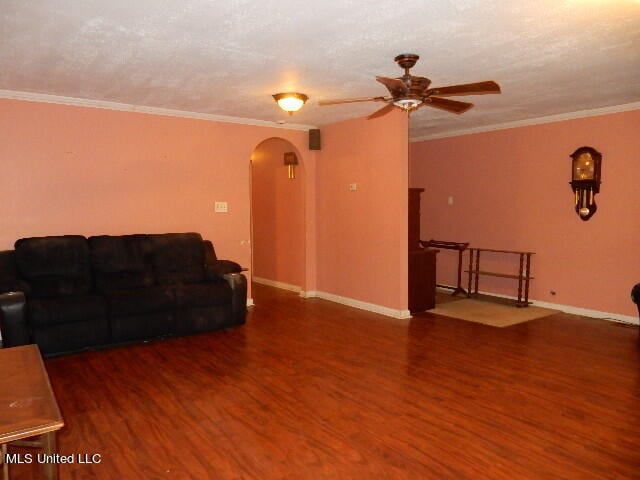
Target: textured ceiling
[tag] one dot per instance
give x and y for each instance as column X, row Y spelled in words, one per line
column 228, row 57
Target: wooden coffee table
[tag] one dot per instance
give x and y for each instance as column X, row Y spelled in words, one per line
column 28, row 407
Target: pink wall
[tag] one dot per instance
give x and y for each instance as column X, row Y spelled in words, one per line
column 277, row 214
column 362, row 235
column 91, row 171
column 88, row 171
column 511, row 191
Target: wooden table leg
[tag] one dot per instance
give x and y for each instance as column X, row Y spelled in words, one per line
column 477, row 270
column 459, row 286
column 49, row 448
column 526, row 283
column 5, row 465
column 470, row 271
column 520, row 278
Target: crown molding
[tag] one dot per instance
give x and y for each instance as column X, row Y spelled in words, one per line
column 533, row 121
column 125, row 107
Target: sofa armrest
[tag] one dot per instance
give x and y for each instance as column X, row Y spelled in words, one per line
column 635, row 296
column 220, row 268
column 238, row 283
column 13, row 321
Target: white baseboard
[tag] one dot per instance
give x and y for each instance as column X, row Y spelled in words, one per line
column 370, row 307
column 274, row 283
column 585, row 312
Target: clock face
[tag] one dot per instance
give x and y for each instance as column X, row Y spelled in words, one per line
column 583, row 167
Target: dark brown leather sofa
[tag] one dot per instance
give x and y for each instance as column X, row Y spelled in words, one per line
column 68, row 293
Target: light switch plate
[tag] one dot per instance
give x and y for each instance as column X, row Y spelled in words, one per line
column 221, row 207
column 353, row 187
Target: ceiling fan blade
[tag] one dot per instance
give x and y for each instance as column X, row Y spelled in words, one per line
column 323, row 103
column 394, row 85
column 479, row 88
column 383, row 111
column 452, row 106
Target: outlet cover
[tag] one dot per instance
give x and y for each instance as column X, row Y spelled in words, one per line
column 221, row 207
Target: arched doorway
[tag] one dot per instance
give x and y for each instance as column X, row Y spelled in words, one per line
column 277, row 217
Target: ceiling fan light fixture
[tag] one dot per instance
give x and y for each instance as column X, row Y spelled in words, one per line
column 408, row 104
column 410, row 92
column 290, row 101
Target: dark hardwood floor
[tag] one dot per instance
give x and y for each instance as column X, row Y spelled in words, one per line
column 313, row 390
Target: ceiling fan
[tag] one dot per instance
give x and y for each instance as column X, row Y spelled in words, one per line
column 409, row 92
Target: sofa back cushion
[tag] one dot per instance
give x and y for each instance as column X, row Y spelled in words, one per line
column 178, row 258
column 121, row 262
column 56, row 266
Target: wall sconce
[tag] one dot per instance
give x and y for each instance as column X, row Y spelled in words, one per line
column 585, row 180
column 291, row 160
column 290, row 102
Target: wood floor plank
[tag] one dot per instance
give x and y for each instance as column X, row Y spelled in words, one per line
column 309, row 389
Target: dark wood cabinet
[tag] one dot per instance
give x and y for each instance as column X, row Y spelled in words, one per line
column 422, row 262
column 414, row 218
column 422, row 280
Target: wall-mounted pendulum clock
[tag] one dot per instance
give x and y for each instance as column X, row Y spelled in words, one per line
column 585, row 180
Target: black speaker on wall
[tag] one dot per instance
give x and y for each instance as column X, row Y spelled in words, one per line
column 314, row 139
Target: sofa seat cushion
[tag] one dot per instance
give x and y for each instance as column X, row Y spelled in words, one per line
column 140, row 301
column 48, row 312
column 54, row 266
column 178, row 258
column 203, row 294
